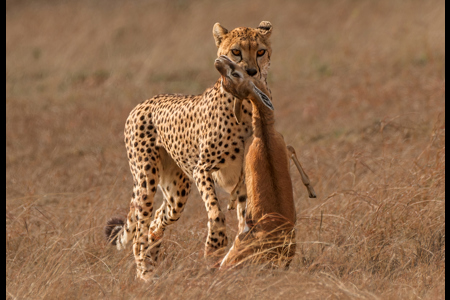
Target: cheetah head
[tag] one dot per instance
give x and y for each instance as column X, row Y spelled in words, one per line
column 248, row 47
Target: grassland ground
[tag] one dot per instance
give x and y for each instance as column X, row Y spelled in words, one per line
column 359, row 91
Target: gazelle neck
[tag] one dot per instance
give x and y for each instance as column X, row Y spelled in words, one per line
column 263, row 118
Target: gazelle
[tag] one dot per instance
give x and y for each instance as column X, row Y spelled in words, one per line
column 270, row 212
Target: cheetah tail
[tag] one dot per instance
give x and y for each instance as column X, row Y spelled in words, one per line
column 113, row 228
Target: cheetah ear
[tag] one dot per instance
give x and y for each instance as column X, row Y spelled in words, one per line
column 265, row 28
column 237, row 109
column 219, row 33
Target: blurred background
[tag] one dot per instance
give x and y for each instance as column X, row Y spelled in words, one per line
column 358, row 90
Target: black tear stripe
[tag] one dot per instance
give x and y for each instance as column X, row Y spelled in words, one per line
column 268, row 55
column 259, row 69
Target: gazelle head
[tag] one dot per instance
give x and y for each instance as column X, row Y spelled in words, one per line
column 237, row 82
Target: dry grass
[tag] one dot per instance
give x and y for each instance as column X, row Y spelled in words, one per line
column 358, row 90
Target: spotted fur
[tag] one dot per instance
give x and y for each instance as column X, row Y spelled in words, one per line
column 174, row 141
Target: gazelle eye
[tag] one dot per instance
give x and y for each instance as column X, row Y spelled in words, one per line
column 236, row 52
column 234, row 74
column 261, row 52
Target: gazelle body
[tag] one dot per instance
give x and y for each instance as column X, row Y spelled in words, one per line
column 270, row 212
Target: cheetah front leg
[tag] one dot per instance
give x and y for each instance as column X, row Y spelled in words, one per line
column 238, row 190
column 240, row 193
column 217, row 238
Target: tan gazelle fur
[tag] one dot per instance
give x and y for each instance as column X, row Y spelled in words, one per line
column 270, row 213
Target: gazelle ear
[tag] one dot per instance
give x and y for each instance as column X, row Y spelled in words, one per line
column 238, row 109
column 219, row 33
column 263, row 97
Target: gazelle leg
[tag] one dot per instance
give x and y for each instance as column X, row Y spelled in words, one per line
column 305, row 178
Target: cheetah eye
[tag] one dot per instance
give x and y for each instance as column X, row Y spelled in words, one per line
column 261, row 52
column 234, row 74
column 236, row 52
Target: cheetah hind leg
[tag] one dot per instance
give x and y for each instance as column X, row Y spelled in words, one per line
column 175, row 186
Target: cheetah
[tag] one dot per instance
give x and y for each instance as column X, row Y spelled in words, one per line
column 175, row 140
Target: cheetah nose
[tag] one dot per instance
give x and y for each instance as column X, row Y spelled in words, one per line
column 251, row 72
